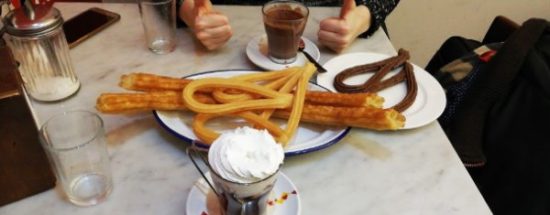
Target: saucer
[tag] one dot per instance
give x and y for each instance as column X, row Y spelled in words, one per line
column 256, row 50
column 284, row 198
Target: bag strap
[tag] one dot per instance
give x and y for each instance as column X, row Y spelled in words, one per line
column 491, row 85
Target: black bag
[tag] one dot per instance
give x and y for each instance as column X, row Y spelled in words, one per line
column 501, row 124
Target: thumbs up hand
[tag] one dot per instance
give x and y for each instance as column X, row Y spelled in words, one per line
column 211, row 28
column 337, row 33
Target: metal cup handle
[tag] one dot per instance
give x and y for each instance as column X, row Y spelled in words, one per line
column 193, row 151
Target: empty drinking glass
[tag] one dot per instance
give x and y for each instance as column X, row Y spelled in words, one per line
column 159, row 24
column 76, row 146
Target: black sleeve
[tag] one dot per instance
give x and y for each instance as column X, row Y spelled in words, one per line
column 379, row 10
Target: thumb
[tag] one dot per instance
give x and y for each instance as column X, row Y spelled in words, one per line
column 347, row 7
column 202, row 7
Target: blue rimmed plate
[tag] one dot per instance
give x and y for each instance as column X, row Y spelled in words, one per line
column 308, row 138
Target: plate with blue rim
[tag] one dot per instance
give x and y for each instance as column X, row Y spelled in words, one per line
column 309, row 137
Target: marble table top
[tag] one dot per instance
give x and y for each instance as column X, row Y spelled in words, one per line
column 412, row 171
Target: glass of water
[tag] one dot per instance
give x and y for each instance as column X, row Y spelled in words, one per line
column 159, row 23
column 76, row 147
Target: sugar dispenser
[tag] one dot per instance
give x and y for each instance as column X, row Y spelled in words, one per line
column 36, row 38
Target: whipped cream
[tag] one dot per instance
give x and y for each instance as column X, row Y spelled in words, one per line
column 245, row 155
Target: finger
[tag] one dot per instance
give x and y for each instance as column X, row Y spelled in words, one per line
column 211, row 20
column 214, row 33
column 203, row 7
column 337, row 47
column 347, row 7
column 335, row 25
column 214, row 44
column 213, row 41
column 332, row 37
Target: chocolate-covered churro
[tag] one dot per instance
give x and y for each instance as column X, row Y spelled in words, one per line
column 377, row 82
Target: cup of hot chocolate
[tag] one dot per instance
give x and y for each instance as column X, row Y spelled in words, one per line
column 284, row 22
column 244, row 166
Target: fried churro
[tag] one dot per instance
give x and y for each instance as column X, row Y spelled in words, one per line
column 273, row 98
column 361, row 117
column 298, row 104
column 208, row 136
column 150, row 82
column 320, row 114
column 132, row 102
column 344, row 99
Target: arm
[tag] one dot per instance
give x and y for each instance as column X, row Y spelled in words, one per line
column 379, row 10
column 357, row 18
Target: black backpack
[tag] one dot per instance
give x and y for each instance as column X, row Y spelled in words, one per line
column 500, row 121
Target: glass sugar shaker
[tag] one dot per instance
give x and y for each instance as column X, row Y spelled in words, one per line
column 36, row 38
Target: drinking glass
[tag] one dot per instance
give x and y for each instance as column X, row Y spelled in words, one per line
column 159, row 23
column 76, row 146
column 234, row 197
column 284, row 22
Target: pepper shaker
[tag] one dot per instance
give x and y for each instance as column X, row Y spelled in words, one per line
column 36, row 38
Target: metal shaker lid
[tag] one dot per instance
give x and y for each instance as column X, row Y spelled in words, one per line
column 41, row 20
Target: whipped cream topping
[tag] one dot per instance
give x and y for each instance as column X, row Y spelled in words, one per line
column 245, row 155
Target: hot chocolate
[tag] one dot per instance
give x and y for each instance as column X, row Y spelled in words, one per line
column 284, row 23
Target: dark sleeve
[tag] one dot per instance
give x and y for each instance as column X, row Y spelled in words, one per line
column 379, row 9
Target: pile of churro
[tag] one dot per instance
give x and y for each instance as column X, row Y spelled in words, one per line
column 254, row 97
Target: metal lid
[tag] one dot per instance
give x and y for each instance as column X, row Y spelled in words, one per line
column 43, row 19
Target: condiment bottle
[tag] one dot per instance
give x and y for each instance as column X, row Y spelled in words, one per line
column 36, row 38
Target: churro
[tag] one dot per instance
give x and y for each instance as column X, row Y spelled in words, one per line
column 320, row 114
column 150, row 82
column 380, row 69
column 225, row 95
column 361, row 117
column 344, row 99
column 412, row 89
column 273, row 98
column 126, row 102
column 131, row 102
column 208, row 136
column 298, row 104
column 376, row 83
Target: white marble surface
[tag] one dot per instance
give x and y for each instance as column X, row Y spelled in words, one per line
column 406, row 172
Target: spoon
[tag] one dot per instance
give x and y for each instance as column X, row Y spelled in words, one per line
column 301, row 47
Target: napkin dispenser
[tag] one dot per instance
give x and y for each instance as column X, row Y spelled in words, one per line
column 24, row 167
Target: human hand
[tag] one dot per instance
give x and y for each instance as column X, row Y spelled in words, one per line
column 211, row 28
column 337, row 33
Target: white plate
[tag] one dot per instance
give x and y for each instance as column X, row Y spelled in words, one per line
column 309, row 137
column 430, row 100
column 201, row 200
column 256, row 50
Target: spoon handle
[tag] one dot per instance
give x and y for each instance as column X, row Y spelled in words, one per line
column 320, row 68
